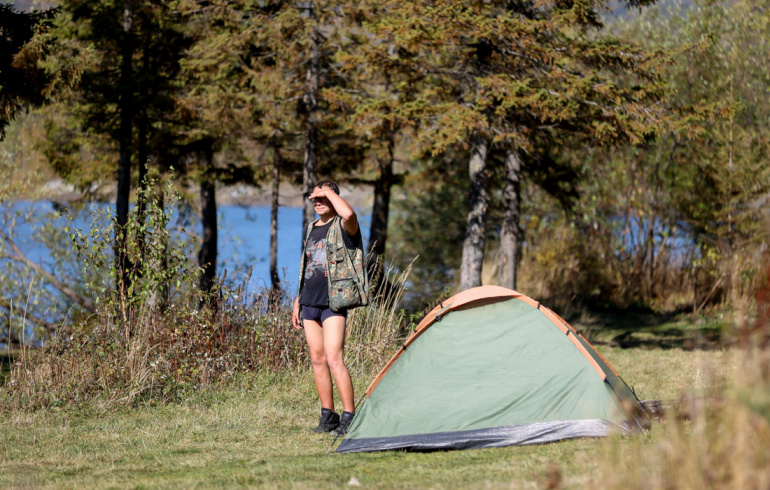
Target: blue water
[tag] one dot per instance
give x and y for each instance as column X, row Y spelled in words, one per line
column 244, row 239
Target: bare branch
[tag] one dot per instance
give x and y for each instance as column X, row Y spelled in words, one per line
column 70, row 293
column 40, row 322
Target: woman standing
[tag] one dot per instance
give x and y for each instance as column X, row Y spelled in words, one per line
column 324, row 327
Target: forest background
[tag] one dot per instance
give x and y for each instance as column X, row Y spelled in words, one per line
column 602, row 158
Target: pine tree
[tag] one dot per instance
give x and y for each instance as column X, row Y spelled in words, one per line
column 370, row 103
column 22, row 83
column 111, row 66
column 497, row 76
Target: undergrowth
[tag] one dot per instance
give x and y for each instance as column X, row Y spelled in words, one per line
column 717, row 441
column 184, row 347
column 161, row 338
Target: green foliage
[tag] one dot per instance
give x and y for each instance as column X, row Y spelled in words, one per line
column 509, row 72
column 728, row 160
column 428, row 228
column 84, row 159
column 31, row 303
column 160, row 265
column 247, row 74
column 75, row 275
column 19, row 156
column 101, row 103
column 21, row 82
column 704, row 188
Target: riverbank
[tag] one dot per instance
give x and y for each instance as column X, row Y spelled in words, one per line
column 237, row 195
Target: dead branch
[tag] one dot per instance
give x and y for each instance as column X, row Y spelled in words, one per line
column 39, row 322
column 73, row 295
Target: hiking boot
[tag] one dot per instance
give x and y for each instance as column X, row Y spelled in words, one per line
column 345, row 421
column 328, row 422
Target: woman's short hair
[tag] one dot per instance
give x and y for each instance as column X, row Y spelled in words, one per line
column 330, row 184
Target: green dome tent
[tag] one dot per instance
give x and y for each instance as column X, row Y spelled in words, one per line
column 491, row 367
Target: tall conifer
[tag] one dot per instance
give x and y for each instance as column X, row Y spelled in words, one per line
column 112, row 66
column 22, row 82
column 498, row 75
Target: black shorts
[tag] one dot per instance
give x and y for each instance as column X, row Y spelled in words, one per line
column 320, row 315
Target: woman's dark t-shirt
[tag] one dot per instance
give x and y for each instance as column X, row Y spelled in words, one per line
column 315, row 288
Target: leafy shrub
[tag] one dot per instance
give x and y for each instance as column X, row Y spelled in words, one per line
column 162, row 337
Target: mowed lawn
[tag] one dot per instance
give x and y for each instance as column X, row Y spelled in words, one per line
column 257, row 435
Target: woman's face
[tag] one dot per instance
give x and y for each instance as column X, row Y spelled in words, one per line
column 322, row 205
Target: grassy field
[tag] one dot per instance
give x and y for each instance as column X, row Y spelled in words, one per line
column 256, row 434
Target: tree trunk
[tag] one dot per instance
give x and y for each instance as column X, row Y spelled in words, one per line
column 207, row 257
column 473, row 245
column 147, row 65
column 126, row 105
column 378, row 232
column 509, row 233
column 275, row 280
column 141, row 204
column 309, row 176
column 165, row 291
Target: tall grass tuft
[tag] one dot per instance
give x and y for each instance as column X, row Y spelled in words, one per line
column 168, row 352
column 373, row 331
column 716, row 442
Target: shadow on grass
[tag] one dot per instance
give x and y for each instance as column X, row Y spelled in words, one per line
column 6, row 358
column 635, row 329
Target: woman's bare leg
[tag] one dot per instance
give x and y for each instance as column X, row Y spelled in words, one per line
column 334, row 346
column 314, row 334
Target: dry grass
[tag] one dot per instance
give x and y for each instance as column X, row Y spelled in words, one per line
column 254, row 433
column 168, row 352
column 703, row 441
column 373, row 331
column 717, row 434
column 562, row 265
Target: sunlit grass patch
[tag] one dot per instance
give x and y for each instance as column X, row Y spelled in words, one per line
column 716, row 435
column 254, row 432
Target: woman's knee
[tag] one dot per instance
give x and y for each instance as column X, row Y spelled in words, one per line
column 336, row 362
column 318, row 358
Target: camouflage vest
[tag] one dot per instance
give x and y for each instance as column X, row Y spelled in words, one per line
column 347, row 280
